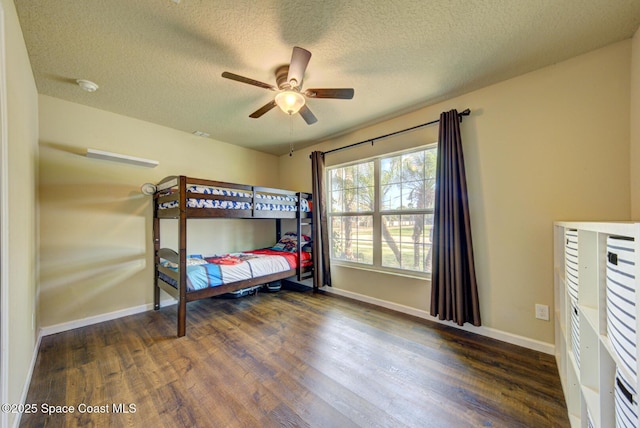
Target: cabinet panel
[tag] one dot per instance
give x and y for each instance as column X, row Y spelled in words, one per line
column 626, row 410
column 621, row 305
column 597, row 321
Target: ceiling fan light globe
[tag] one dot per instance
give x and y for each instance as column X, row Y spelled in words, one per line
column 290, row 102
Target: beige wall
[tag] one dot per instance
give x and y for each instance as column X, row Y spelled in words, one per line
column 22, row 133
column 96, row 250
column 549, row 145
column 635, row 127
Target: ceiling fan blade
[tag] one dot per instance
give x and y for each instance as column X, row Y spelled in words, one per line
column 340, row 93
column 242, row 79
column 306, row 114
column 299, row 60
column 262, row 110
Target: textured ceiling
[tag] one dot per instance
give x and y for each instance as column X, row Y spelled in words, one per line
column 161, row 60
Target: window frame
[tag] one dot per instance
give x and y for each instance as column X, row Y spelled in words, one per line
column 377, row 215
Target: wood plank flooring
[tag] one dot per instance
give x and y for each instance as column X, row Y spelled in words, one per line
column 289, row 359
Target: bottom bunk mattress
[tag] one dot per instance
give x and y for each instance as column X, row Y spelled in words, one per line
column 213, row 271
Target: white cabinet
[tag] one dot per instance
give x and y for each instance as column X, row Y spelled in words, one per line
column 596, row 272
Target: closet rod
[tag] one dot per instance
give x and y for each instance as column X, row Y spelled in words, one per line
column 466, row 112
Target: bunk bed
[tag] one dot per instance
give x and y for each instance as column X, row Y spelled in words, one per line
column 188, row 279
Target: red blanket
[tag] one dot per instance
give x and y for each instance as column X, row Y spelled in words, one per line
column 292, row 258
column 225, row 260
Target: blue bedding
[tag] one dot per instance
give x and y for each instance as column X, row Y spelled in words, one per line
column 235, row 267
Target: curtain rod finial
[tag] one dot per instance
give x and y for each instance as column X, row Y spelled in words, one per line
column 463, row 113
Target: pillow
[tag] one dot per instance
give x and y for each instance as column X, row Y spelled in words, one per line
column 289, row 242
column 191, row 261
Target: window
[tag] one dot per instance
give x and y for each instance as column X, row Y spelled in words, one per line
column 381, row 211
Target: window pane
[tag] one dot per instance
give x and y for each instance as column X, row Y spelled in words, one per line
column 333, row 179
column 336, row 203
column 430, row 162
column 364, row 240
column 413, row 166
column 390, row 170
column 408, row 181
column 390, row 239
column 407, row 242
column 348, row 177
column 365, row 174
column 391, row 197
column 365, row 199
column 352, row 188
column 430, row 194
column 336, row 178
column 414, row 195
column 352, row 238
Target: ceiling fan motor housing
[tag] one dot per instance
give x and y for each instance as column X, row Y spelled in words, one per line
column 282, row 74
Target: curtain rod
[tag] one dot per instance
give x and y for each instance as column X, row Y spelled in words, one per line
column 466, row 112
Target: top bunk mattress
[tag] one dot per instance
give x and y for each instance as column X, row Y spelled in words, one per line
column 239, row 200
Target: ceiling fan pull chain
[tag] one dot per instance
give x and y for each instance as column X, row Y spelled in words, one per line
column 290, row 135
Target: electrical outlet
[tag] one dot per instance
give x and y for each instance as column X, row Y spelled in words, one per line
column 542, row 312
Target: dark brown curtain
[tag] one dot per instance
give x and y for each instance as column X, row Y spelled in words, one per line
column 454, row 291
column 322, row 269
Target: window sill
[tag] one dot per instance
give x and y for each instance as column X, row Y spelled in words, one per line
column 405, row 274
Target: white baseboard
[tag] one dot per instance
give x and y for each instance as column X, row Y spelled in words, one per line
column 70, row 325
column 27, row 382
column 514, row 339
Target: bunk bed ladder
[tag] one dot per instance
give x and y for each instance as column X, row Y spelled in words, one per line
column 182, row 250
column 302, row 219
column 299, row 244
column 156, row 256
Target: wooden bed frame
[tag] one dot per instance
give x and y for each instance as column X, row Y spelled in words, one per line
column 176, row 188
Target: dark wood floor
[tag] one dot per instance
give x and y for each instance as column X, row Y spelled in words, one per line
column 290, row 359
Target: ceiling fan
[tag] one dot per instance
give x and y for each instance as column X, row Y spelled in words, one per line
column 290, row 97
